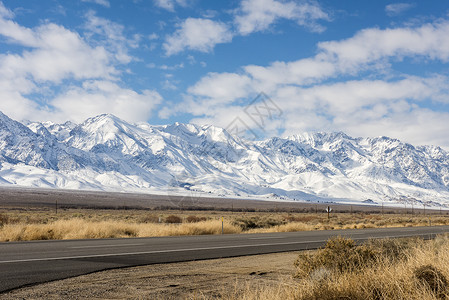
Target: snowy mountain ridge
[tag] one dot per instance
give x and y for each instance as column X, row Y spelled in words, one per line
column 107, row 153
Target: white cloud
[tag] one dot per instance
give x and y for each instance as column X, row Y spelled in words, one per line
column 98, row 97
column 300, row 72
column 165, row 67
column 170, row 4
column 153, row 36
column 5, row 13
column 197, row 34
column 105, row 3
column 202, row 34
column 211, row 96
column 89, row 65
column 430, row 41
column 56, row 53
column 170, row 85
column 349, row 103
column 110, row 35
column 389, row 104
column 368, row 49
column 216, row 88
column 397, row 8
column 258, row 15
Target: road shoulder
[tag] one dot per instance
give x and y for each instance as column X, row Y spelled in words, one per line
column 207, row 278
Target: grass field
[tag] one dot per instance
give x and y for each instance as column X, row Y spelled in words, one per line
column 43, row 224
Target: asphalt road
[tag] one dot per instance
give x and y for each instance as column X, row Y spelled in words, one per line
column 27, row 263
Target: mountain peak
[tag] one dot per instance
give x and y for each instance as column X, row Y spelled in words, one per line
column 103, row 119
column 106, row 152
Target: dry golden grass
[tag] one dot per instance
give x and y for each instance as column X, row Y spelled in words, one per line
column 23, row 224
column 384, row 279
column 84, row 229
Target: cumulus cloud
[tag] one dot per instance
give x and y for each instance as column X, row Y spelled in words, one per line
column 216, row 86
column 98, row 97
column 202, row 34
column 397, row 8
column 370, row 45
column 258, row 15
column 56, row 53
column 51, row 55
column 197, row 34
column 313, row 97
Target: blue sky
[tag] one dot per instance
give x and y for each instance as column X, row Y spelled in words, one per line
column 367, row 68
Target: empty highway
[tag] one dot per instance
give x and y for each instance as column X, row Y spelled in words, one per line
column 26, row 263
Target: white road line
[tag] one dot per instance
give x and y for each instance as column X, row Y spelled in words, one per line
column 177, row 250
column 356, row 233
column 268, row 237
column 102, row 246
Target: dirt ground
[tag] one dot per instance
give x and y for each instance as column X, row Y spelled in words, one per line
column 188, row 280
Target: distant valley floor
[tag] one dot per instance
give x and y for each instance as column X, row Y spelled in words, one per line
column 20, row 197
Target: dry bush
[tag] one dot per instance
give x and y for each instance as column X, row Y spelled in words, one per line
column 252, row 222
column 172, row 219
column 338, row 255
column 148, row 219
column 195, row 219
column 392, row 250
column 4, row 219
column 343, row 255
column 402, row 269
column 433, row 279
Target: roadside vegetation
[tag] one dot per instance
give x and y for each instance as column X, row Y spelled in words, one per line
column 379, row 269
column 45, row 224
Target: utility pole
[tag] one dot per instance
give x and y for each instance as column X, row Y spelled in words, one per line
column 328, row 209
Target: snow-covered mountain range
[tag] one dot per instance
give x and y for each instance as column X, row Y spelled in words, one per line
column 107, row 153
